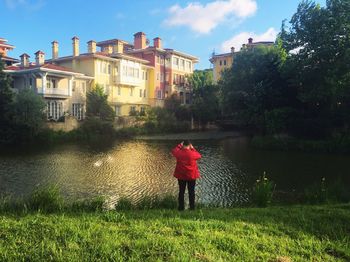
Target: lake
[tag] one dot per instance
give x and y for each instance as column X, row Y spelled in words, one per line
column 134, row 169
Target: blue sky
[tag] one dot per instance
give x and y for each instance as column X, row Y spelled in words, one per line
column 194, row 27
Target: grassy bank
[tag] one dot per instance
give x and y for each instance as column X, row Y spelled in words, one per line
column 298, row 233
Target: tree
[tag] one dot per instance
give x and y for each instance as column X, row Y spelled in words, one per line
column 254, row 85
column 29, row 112
column 97, row 105
column 6, row 95
column 318, row 41
column 205, row 96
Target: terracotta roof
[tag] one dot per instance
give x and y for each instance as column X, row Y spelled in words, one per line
column 48, row 66
column 7, row 58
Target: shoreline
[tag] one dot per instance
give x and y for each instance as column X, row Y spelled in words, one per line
column 204, row 135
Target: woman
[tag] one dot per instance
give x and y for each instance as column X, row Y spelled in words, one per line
column 186, row 171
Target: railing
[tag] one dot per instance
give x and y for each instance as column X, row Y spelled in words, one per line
column 54, row 91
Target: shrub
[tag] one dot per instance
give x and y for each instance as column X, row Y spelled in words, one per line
column 167, row 202
column 94, row 130
column 263, row 191
column 47, row 200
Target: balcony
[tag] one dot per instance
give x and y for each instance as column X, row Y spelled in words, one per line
column 54, row 92
column 126, row 80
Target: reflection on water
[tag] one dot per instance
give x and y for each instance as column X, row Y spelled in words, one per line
column 136, row 169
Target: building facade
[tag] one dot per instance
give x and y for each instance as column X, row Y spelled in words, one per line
column 63, row 90
column 224, row 61
column 4, row 48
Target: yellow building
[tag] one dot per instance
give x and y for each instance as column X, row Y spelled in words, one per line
column 124, row 78
column 224, row 61
column 220, row 63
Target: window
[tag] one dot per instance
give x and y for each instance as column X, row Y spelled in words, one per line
column 176, row 61
column 146, row 75
column 162, row 61
column 30, row 82
column 51, row 83
column 224, row 62
column 162, row 77
column 132, row 109
column 131, row 91
column 116, row 70
column 157, row 59
column 77, row 110
column 144, row 93
column 188, row 65
column 220, row 63
column 54, row 109
column 142, row 110
column 125, row 70
column 109, row 69
column 143, row 75
column 182, row 63
column 137, row 73
column 117, row 110
column 167, row 62
column 119, row 91
column 140, row 92
column 159, row 94
column 74, row 85
column 157, row 76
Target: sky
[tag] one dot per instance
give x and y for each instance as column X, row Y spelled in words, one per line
column 194, row 27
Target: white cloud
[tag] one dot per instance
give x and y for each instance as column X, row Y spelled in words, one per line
column 242, row 38
column 204, row 18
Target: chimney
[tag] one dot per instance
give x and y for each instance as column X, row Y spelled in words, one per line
column 25, row 60
column 157, row 42
column 109, row 49
column 39, row 57
column 140, row 40
column 75, row 46
column 54, row 49
column 232, row 49
column 243, row 47
column 250, row 40
column 91, row 46
column 118, row 47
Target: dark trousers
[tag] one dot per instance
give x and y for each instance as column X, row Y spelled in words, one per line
column 190, row 187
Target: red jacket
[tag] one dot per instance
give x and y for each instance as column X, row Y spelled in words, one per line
column 186, row 165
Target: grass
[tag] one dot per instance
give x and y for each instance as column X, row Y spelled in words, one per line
column 295, row 233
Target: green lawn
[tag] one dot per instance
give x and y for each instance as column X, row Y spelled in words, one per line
column 297, row 233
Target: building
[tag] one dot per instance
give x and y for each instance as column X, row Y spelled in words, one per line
column 4, row 48
column 170, row 68
column 63, row 89
column 224, row 61
column 125, row 79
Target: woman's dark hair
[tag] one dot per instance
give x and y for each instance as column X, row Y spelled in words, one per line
column 187, row 142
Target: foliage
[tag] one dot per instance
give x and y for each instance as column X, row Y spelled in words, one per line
column 29, row 111
column 89, row 205
column 263, row 191
column 96, row 131
column 45, row 200
column 163, row 120
column 97, row 105
column 205, row 96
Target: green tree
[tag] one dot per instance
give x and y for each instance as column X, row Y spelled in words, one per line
column 29, row 112
column 6, row 110
column 97, row 105
column 254, row 86
column 205, row 96
column 318, row 39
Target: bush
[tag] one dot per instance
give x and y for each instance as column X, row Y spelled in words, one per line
column 94, row 130
column 46, row 200
column 263, row 191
